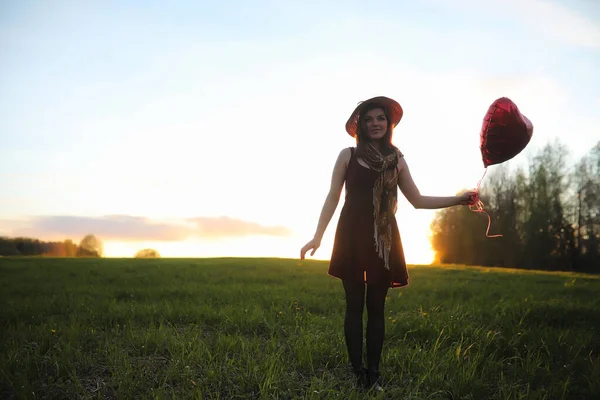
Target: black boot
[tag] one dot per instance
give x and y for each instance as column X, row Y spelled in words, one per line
column 362, row 378
column 374, row 381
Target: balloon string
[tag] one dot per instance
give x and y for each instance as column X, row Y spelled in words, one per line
column 479, row 207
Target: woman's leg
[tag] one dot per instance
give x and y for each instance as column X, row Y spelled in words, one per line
column 353, row 322
column 375, row 327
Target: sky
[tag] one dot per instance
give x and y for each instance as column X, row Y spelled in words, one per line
column 208, row 129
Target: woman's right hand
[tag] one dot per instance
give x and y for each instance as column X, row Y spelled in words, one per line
column 313, row 244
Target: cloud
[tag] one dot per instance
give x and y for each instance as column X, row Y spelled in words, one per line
column 133, row 228
column 116, row 227
column 231, row 227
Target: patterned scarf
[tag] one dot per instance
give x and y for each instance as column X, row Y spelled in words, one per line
column 385, row 198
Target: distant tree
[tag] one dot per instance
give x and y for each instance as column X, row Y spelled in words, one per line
column 544, row 228
column 54, row 249
column 8, row 247
column 147, row 253
column 586, row 212
column 90, row 246
column 28, row 246
column 70, row 248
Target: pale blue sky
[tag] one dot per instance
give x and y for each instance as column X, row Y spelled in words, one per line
column 168, row 110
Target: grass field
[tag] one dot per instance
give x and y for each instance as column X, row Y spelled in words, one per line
column 270, row 328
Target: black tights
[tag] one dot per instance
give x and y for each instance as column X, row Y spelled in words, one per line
column 353, row 323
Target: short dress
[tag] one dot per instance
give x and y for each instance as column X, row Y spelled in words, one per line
column 354, row 256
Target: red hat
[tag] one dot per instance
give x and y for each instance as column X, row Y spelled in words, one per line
column 392, row 106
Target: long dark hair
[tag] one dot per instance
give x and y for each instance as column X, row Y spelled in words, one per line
column 362, row 137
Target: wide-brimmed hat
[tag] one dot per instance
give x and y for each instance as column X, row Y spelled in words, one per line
column 393, row 107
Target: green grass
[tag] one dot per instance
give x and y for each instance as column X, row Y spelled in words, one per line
column 270, row 328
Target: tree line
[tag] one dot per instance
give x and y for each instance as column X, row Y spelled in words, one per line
column 548, row 214
column 89, row 246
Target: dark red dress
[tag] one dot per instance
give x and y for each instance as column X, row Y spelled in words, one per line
column 354, row 256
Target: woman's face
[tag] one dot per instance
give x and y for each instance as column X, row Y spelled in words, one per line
column 375, row 124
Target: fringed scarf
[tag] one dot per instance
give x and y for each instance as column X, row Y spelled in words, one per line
column 385, row 198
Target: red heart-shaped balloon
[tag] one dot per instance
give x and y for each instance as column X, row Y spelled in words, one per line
column 505, row 132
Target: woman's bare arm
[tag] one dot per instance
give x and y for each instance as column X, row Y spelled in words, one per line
column 331, row 202
column 412, row 194
column 335, row 191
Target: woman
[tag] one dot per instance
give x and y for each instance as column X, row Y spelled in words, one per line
column 367, row 248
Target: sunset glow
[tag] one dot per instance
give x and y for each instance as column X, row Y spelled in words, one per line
column 212, row 130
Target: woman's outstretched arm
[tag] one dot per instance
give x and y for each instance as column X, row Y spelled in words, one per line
column 412, row 194
column 331, row 202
